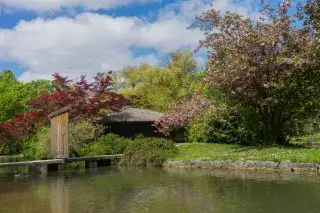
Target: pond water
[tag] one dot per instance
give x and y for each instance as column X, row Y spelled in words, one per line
column 160, row 190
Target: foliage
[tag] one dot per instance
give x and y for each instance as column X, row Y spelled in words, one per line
column 234, row 152
column 306, row 138
column 14, row 94
column 13, row 99
column 182, row 60
column 148, row 152
column 268, row 67
column 87, row 100
column 105, row 145
column 9, row 147
column 118, row 81
column 81, row 133
column 37, row 146
column 157, row 88
column 308, row 132
column 4, row 148
column 223, row 124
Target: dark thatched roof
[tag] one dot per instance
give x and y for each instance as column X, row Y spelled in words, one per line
column 133, row 114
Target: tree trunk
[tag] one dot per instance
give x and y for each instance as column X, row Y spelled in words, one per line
column 272, row 127
column 266, row 128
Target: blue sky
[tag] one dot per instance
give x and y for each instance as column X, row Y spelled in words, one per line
column 73, row 37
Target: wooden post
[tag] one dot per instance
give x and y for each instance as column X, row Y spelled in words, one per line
column 59, row 133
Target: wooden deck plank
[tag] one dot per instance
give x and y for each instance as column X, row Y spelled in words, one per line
column 26, row 163
column 59, row 161
column 101, row 157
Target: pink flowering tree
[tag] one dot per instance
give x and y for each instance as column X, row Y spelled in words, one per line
column 268, row 66
column 309, row 13
column 183, row 113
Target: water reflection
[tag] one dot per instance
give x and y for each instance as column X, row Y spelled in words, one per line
column 60, row 196
column 33, row 194
column 172, row 190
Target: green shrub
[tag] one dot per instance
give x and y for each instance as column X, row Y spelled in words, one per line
column 105, row 145
column 4, row 147
column 148, row 152
column 38, row 146
column 224, row 125
column 82, row 133
column 9, row 147
column 306, row 138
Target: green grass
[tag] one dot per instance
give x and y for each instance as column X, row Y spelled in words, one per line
column 205, row 152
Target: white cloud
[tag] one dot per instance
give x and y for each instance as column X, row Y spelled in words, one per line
column 91, row 43
column 188, row 9
column 169, row 35
column 54, row 5
column 87, row 44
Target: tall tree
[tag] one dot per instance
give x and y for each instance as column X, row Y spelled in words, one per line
column 158, row 88
column 268, row 66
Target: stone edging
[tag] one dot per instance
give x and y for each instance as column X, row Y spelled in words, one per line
column 247, row 165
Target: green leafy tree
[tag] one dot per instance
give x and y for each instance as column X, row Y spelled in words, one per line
column 182, row 60
column 118, row 81
column 134, row 75
column 14, row 94
column 157, row 88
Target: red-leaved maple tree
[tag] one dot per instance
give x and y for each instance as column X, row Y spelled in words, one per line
column 88, row 100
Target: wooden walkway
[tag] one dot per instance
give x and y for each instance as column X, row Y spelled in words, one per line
column 27, row 163
column 100, row 157
column 53, row 164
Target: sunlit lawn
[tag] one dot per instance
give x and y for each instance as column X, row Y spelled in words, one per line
column 205, row 152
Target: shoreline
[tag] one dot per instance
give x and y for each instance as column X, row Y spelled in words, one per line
column 249, row 165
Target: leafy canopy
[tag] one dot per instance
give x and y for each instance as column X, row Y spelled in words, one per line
column 157, row 88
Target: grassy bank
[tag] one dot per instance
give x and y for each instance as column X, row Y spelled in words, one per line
column 204, row 152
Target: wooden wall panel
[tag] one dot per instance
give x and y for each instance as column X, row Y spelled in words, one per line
column 59, row 135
